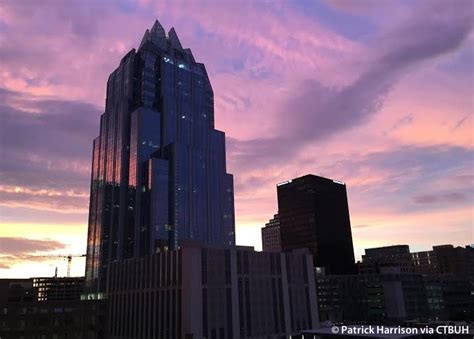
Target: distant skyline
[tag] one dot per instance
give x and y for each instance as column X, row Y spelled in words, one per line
column 378, row 95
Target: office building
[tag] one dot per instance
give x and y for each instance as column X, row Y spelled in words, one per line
column 391, row 297
column 442, row 259
column 377, row 259
column 445, row 259
column 271, row 239
column 49, row 308
column 212, row 292
column 159, row 165
column 314, row 214
column 50, row 289
column 395, row 284
column 373, row 298
column 449, row 297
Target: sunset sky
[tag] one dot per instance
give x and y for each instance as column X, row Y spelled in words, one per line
column 378, row 94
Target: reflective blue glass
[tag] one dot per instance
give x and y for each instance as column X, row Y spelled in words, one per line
column 159, row 166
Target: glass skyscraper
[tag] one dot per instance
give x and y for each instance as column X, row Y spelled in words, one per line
column 159, row 165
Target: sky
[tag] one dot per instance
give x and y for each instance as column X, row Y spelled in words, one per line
column 378, row 94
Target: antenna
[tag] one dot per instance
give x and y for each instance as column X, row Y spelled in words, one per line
column 69, row 259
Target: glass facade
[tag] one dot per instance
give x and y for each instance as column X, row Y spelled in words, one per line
column 159, row 166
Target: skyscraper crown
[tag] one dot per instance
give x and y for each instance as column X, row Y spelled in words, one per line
column 157, row 36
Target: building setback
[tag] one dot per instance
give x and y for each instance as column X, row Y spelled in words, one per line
column 271, row 239
column 159, row 165
column 314, row 214
column 212, row 292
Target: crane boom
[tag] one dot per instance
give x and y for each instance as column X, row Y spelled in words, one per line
column 64, row 256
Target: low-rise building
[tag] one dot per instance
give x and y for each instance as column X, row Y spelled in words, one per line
column 445, row 259
column 48, row 308
column 371, row 298
column 442, row 259
column 50, row 289
column 377, row 259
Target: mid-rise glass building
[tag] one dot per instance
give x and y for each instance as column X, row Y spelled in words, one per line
column 159, row 165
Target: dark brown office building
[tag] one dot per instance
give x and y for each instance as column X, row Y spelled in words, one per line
column 314, row 213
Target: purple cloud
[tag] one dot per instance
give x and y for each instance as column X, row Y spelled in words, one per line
column 441, row 197
column 14, row 250
column 46, row 152
column 22, row 246
column 316, row 112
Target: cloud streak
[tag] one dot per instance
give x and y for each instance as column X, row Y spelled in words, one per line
column 22, row 246
column 14, row 250
column 316, row 112
column 46, row 152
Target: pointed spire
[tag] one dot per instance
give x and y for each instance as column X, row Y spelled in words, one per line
column 156, row 35
column 158, row 30
column 145, row 38
column 174, row 40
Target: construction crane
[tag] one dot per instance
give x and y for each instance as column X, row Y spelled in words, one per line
column 64, row 256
